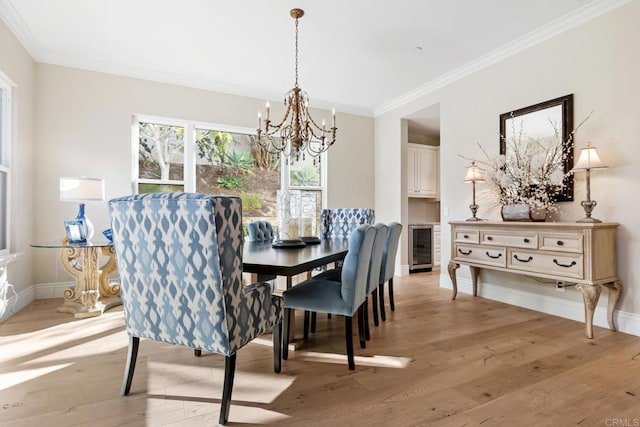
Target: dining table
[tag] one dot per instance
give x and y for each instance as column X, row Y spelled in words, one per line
column 261, row 258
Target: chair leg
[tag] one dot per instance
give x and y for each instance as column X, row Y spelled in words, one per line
column 383, row 315
column 229, row 372
column 314, row 317
column 328, row 315
column 363, row 342
column 277, row 347
column 374, row 306
column 307, row 315
column 348, row 331
column 392, row 305
column 365, row 319
column 197, row 352
column 285, row 333
column 132, row 355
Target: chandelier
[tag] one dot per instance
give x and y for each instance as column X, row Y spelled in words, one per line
column 297, row 135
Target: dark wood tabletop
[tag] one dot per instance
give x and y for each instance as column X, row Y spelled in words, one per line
column 261, row 258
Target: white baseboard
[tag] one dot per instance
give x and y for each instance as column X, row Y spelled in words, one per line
column 52, row 290
column 10, row 303
column 626, row 322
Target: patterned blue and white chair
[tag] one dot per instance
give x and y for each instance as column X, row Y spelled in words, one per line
column 180, row 262
column 389, row 265
column 339, row 223
column 344, row 297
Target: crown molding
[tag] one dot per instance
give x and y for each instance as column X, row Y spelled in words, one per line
column 552, row 29
column 20, row 30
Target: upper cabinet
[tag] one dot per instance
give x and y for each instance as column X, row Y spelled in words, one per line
column 422, row 171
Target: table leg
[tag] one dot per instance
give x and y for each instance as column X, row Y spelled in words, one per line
column 92, row 282
column 590, row 295
column 615, row 288
column 453, row 266
column 474, row 279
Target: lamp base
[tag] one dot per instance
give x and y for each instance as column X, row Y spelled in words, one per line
column 474, row 219
column 589, row 220
column 588, row 206
column 474, row 209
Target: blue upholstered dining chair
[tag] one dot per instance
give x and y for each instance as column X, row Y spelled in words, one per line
column 328, row 296
column 389, row 265
column 261, row 231
column 374, row 275
column 180, row 262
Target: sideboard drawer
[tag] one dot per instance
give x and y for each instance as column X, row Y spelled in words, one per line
column 567, row 265
column 516, row 240
column 481, row 255
column 561, row 242
column 466, row 236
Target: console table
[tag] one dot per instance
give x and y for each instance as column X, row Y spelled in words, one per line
column 583, row 254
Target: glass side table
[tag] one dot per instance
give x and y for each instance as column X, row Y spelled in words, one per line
column 93, row 294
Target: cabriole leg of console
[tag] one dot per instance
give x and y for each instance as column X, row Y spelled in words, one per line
column 590, row 295
column 453, row 266
column 615, row 288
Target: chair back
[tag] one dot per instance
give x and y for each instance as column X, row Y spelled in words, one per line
column 355, row 269
column 180, row 262
column 260, row 231
column 390, row 251
column 376, row 257
column 340, row 223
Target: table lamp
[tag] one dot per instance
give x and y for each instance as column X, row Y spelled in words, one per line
column 588, row 160
column 82, row 190
column 474, row 174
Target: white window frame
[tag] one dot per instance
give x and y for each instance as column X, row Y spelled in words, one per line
column 189, row 176
column 6, row 141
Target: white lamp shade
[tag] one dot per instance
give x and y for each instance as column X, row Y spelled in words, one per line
column 81, row 189
column 589, row 159
column 474, row 174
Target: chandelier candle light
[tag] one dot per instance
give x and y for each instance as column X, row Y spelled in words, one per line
column 297, row 135
column 474, row 174
column 588, row 160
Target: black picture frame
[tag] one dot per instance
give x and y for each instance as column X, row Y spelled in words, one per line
column 76, row 231
column 566, row 108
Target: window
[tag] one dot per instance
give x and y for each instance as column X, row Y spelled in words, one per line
column 173, row 155
column 5, row 178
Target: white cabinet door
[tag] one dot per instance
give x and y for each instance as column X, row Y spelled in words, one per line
column 422, row 171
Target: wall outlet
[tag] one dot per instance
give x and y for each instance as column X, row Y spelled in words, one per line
column 445, row 211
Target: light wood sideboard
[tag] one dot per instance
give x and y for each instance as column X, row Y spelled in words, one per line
column 583, row 254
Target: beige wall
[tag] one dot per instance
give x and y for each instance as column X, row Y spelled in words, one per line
column 16, row 63
column 598, row 63
column 84, row 128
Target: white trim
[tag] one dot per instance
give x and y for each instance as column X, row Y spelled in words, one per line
column 6, row 144
column 569, row 309
column 52, row 290
column 15, row 303
column 552, row 29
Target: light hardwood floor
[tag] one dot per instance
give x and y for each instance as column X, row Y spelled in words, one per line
column 434, row 362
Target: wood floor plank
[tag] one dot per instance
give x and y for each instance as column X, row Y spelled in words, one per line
column 434, row 361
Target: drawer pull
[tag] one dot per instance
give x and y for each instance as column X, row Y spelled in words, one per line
column 523, row 260
column 466, row 236
column 559, row 243
column 489, row 238
column 463, row 252
column 526, row 240
column 493, row 256
column 564, row 265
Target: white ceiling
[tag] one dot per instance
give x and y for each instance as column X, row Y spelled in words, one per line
column 359, row 55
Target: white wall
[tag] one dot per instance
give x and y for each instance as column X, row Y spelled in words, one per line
column 16, row 63
column 599, row 64
column 84, row 128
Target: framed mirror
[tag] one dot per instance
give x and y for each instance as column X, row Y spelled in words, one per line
column 543, row 133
